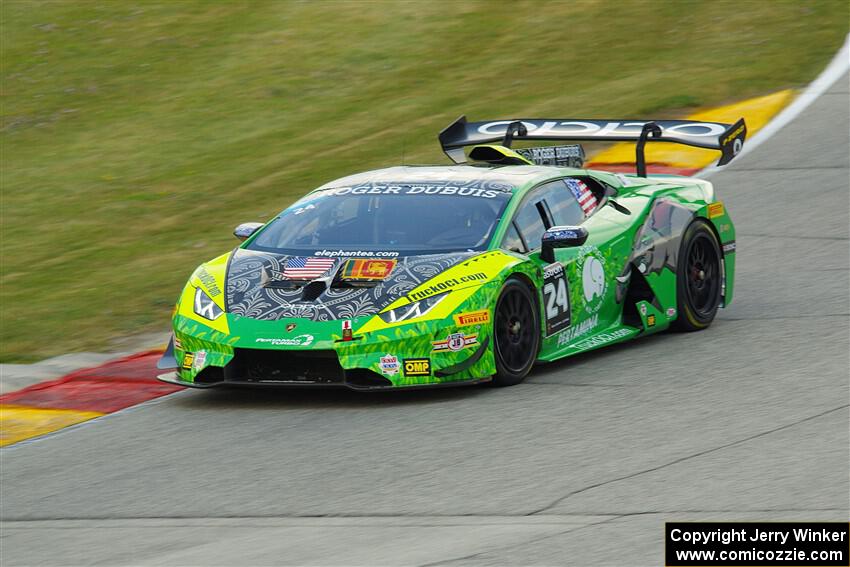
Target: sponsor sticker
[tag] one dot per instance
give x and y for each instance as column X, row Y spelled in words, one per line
column 472, row 318
column 643, row 308
column 556, row 296
column 455, row 342
column 471, row 189
column 593, row 279
column 417, row 366
column 290, row 327
column 187, row 360
column 650, row 321
column 716, row 210
column 355, row 253
column 576, row 331
column 389, row 365
column 346, row 330
column 602, row 338
column 209, row 282
column 300, row 340
column 178, row 344
column 729, row 247
column 671, row 311
column 445, row 285
column 200, row 359
column 367, row 269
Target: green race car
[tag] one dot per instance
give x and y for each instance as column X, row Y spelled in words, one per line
column 444, row 275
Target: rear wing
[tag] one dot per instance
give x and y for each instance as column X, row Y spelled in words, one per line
column 726, row 138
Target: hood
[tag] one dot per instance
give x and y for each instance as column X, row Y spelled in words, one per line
column 256, row 287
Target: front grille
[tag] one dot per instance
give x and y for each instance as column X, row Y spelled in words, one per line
column 281, row 366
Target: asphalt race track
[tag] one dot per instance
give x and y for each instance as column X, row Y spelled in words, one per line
column 580, row 465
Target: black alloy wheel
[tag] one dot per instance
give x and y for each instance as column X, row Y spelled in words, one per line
column 516, row 331
column 700, row 277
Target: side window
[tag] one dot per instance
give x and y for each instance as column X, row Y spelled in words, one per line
column 564, row 205
column 559, row 206
column 529, row 221
column 513, row 242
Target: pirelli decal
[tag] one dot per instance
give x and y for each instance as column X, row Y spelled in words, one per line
column 472, row 318
column 716, row 210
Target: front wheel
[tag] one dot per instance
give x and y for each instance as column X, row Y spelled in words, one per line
column 516, row 333
column 698, row 289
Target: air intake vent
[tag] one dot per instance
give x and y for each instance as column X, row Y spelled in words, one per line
column 313, row 290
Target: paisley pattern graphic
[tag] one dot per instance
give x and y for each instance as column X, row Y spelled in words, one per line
column 250, row 295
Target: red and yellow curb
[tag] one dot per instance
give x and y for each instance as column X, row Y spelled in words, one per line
column 80, row 396
column 685, row 160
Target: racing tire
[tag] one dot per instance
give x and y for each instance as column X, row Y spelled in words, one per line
column 516, row 333
column 699, row 278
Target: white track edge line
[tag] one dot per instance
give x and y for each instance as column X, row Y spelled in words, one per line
column 837, row 67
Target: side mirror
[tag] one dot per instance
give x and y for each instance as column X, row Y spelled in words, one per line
column 561, row 237
column 246, row 229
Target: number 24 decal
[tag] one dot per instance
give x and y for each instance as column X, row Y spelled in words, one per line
column 556, row 293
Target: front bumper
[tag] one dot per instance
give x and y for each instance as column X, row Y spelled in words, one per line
column 405, row 356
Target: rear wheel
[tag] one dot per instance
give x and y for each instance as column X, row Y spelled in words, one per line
column 700, row 278
column 516, row 333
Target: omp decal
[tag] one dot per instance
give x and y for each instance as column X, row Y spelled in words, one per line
column 716, row 210
column 367, row 269
column 417, row 366
column 556, row 296
column 388, row 364
column 568, row 335
column 729, row 247
column 472, row 318
column 455, row 342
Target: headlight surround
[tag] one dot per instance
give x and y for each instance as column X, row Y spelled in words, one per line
column 205, row 307
column 412, row 310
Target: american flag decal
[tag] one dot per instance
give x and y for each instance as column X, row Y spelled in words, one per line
column 301, row 268
column 583, row 194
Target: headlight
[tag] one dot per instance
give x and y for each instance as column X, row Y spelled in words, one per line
column 411, row 310
column 206, row 307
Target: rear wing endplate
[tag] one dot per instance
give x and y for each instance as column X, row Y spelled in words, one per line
column 725, row 138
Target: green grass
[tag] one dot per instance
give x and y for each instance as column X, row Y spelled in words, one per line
column 134, row 136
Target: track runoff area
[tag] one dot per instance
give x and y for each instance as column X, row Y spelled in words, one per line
column 580, row 465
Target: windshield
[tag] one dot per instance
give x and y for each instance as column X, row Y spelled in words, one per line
column 386, row 220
